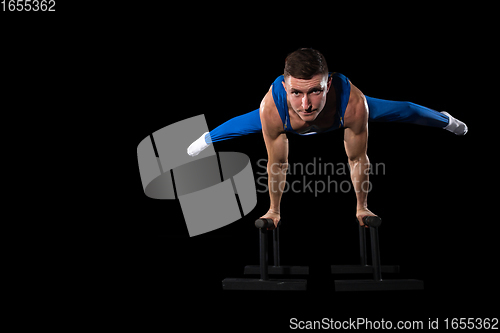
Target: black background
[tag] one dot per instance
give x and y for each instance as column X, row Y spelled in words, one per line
column 123, row 73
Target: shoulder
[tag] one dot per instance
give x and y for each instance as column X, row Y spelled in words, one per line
column 272, row 124
column 356, row 114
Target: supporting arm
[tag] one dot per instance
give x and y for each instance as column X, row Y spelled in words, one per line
column 356, row 143
column 277, row 154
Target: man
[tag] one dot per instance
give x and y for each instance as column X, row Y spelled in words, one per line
column 320, row 102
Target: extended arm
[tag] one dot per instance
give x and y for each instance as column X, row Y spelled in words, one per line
column 356, row 143
column 277, row 154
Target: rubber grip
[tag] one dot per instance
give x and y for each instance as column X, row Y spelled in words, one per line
column 264, row 223
column 372, row 221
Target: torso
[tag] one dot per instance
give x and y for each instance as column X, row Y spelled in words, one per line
column 339, row 101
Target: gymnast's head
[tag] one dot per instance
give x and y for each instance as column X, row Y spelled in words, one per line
column 306, row 82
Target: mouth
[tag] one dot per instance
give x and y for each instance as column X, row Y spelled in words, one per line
column 307, row 113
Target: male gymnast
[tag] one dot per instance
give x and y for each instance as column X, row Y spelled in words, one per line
column 305, row 88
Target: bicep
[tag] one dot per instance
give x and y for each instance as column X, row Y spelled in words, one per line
column 356, row 135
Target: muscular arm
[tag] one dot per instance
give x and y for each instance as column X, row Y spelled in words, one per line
column 277, row 154
column 356, row 143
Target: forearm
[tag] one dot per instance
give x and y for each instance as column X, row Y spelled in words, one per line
column 360, row 170
column 276, row 182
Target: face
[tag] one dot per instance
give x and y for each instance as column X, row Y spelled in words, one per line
column 307, row 97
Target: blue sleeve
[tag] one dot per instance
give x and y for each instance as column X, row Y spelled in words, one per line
column 279, row 97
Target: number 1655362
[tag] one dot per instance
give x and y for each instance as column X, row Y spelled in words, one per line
column 29, row 5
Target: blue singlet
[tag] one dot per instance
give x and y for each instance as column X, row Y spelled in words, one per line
column 342, row 89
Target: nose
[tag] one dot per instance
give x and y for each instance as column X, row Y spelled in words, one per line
column 306, row 103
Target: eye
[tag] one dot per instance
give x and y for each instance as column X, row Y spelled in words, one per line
column 317, row 92
column 295, row 93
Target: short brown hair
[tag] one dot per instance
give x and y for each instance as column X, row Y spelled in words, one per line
column 305, row 63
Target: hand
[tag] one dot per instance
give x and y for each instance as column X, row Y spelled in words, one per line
column 271, row 214
column 362, row 212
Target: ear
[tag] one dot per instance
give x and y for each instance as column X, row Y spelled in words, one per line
column 329, row 83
